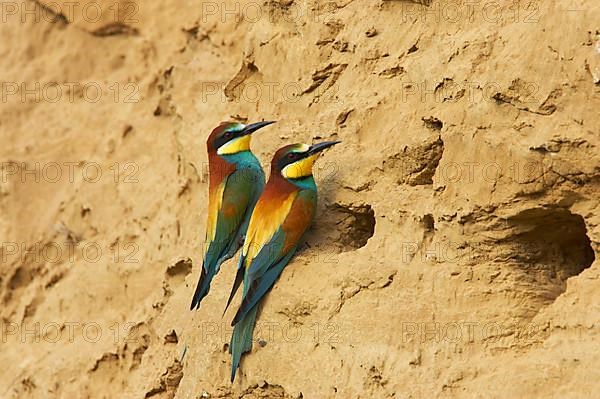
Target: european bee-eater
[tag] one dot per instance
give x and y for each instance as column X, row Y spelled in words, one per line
column 281, row 217
column 236, row 181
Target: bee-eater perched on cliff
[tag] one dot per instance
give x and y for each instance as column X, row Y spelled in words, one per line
column 236, row 181
column 282, row 215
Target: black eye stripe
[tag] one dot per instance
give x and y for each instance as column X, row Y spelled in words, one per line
column 224, row 138
column 288, row 159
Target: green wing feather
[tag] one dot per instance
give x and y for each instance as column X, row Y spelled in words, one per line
column 260, row 277
column 242, row 189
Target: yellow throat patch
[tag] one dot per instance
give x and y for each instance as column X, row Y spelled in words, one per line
column 299, row 169
column 234, row 146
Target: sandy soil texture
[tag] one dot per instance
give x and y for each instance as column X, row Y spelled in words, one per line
column 455, row 252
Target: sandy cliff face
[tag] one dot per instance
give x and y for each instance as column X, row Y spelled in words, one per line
column 458, row 224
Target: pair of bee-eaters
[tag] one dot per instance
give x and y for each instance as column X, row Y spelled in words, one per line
column 269, row 220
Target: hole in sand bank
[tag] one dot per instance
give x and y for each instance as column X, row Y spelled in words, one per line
column 344, row 227
column 548, row 247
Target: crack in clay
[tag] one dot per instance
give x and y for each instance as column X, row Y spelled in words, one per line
column 503, row 98
column 355, row 290
column 320, row 76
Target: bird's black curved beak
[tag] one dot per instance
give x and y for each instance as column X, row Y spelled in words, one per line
column 315, row 148
column 251, row 128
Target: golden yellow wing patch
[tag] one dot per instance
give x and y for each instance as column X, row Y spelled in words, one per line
column 214, row 204
column 267, row 218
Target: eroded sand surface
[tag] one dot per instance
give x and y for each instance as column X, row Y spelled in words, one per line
column 457, row 227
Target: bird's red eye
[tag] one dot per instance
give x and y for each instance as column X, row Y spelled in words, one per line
column 291, row 155
column 227, row 135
